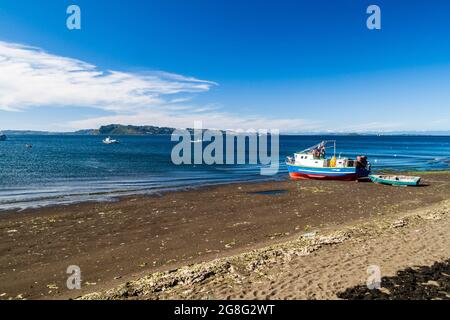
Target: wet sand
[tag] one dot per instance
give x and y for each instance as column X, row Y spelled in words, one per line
column 114, row 243
column 410, row 251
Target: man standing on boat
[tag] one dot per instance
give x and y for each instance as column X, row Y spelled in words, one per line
column 319, row 152
column 322, row 151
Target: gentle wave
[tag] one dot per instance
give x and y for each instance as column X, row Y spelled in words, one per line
column 61, row 170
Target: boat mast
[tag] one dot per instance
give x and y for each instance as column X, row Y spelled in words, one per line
column 335, row 148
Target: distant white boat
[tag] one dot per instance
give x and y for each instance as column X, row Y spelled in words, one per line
column 197, row 141
column 108, row 140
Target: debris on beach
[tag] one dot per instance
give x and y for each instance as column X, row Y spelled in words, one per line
column 399, row 223
column 150, row 286
column 256, row 263
column 230, row 245
column 309, row 235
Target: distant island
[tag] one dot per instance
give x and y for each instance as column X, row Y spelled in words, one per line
column 119, row 129
column 111, row 129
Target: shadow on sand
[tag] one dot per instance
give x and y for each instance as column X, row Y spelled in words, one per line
column 418, row 283
column 269, row 192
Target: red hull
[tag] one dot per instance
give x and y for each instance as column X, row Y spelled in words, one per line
column 348, row 177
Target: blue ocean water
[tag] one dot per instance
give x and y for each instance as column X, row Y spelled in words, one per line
column 66, row 169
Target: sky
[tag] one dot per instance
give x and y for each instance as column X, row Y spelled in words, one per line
column 292, row 65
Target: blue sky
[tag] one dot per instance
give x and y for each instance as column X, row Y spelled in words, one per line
column 292, row 65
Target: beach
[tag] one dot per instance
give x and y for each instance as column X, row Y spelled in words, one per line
column 282, row 240
column 218, row 150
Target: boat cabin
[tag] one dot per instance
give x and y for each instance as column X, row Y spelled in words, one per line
column 315, row 157
column 309, row 160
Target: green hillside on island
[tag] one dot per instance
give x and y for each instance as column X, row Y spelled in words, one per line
column 112, row 129
column 117, row 129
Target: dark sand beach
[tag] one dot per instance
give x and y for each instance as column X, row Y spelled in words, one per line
column 221, row 227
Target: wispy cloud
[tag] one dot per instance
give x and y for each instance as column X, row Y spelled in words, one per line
column 31, row 77
column 371, row 126
column 210, row 120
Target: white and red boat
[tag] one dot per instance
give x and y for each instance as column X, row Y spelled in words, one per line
column 312, row 163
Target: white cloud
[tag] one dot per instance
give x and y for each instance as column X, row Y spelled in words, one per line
column 209, row 120
column 372, row 126
column 31, row 77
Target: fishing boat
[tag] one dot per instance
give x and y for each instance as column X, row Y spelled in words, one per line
column 108, row 140
column 395, row 180
column 313, row 163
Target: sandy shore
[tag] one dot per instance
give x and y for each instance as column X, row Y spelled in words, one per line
column 320, row 266
column 242, row 241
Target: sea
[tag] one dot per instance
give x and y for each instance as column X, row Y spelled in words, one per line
column 66, row 169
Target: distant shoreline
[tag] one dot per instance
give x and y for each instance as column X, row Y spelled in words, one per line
column 119, row 129
column 44, row 133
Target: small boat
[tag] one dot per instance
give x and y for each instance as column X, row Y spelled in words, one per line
column 312, row 163
column 108, row 140
column 395, row 180
column 2, row 137
column 29, row 146
column 197, row 141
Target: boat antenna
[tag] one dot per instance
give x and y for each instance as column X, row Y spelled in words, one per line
column 335, row 148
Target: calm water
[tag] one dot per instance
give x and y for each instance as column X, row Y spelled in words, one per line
column 67, row 169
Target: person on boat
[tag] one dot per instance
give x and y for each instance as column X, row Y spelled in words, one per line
column 316, row 153
column 322, row 152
